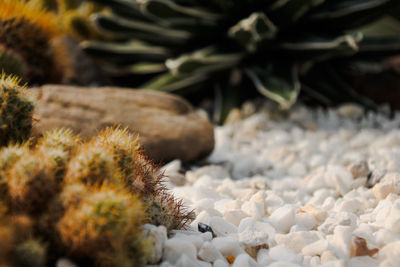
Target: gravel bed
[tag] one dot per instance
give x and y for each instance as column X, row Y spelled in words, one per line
column 302, row 188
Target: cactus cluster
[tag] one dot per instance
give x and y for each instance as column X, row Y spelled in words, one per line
column 16, row 110
column 187, row 46
column 87, row 200
column 26, row 31
column 63, row 197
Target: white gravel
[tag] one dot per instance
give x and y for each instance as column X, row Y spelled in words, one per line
column 303, row 188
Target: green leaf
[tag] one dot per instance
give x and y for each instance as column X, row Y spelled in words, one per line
column 202, row 61
column 349, row 14
column 171, row 83
column 145, row 68
column 250, row 31
column 125, row 52
column 169, row 10
column 126, row 8
column 277, row 81
column 148, row 32
column 322, row 48
column 289, row 11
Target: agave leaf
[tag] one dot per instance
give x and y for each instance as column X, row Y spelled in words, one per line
column 385, row 27
column 323, row 48
column 171, row 83
column 278, row 81
column 348, row 14
column 145, row 68
column 289, row 11
column 140, row 30
column 202, row 62
column 250, row 31
column 324, row 79
column 382, row 38
column 125, row 52
column 338, row 9
column 126, row 8
column 166, row 9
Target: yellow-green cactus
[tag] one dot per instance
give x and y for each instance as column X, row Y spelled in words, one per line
column 16, row 109
column 86, row 201
column 106, row 223
column 31, row 184
column 92, row 166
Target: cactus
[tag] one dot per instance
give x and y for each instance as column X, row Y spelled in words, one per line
column 92, row 166
column 165, row 210
column 16, row 110
column 26, row 31
column 185, row 46
column 31, row 184
column 82, row 200
column 30, row 253
column 138, row 173
column 107, row 221
column 12, row 63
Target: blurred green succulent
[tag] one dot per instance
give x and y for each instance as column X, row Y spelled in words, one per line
column 186, row 45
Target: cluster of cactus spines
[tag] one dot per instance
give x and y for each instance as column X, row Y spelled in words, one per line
column 31, row 184
column 92, row 166
column 26, row 30
column 16, row 109
column 107, row 220
column 82, row 200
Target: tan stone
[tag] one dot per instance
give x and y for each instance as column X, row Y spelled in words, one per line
column 167, row 125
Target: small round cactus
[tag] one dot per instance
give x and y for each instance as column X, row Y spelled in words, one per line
column 16, row 109
column 30, row 253
column 31, row 184
column 92, row 166
column 107, row 221
column 8, row 157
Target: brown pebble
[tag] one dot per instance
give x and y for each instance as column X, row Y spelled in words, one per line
column 359, row 247
column 230, row 259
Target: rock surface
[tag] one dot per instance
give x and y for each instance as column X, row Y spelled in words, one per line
column 167, row 125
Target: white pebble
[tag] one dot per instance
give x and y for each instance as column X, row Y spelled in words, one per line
column 209, row 253
column 222, row 227
column 175, row 247
column 228, row 246
column 253, row 209
column 296, row 241
column 315, row 248
column 281, row 253
column 363, row 261
column 342, row 239
column 390, row 183
column 283, row 218
column 157, row 235
column 263, row 257
column 234, row 216
column 221, row 263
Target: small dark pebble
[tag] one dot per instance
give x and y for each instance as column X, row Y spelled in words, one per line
column 205, row 228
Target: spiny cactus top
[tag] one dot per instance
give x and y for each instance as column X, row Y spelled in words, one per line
column 177, row 45
column 16, row 109
column 25, row 34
